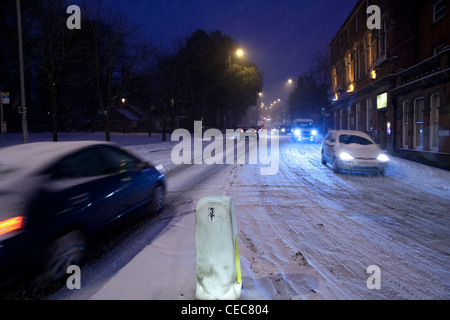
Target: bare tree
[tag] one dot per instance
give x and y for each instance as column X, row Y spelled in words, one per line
column 53, row 47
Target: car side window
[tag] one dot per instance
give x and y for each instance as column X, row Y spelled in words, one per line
column 82, row 164
column 117, row 161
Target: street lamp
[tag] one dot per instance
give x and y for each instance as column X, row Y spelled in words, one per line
column 123, row 114
column 239, row 53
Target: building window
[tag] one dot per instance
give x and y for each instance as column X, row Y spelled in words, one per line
column 349, row 118
column 358, row 116
column 369, row 52
column 336, row 116
column 418, row 123
column 369, row 113
column 438, row 11
column 358, row 61
column 380, row 42
column 382, row 101
column 405, row 124
column 434, row 121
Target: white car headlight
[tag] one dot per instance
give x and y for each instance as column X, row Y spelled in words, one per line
column 297, row 132
column 383, row 158
column 346, row 156
column 314, row 132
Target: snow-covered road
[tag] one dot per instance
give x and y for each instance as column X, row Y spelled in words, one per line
column 305, row 233
column 312, row 233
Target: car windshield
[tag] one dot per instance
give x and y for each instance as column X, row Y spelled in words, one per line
column 304, row 124
column 349, row 139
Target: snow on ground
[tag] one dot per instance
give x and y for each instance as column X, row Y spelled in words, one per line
column 305, row 233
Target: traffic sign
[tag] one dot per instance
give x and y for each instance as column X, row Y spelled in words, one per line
column 3, row 126
column 5, row 97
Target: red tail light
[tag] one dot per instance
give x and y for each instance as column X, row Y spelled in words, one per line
column 10, row 225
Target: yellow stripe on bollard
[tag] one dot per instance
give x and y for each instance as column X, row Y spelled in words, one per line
column 238, row 263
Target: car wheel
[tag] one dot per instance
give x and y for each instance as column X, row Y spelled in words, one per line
column 157, row 201
column 66, row 250
column 336, row 168
column 324, row 162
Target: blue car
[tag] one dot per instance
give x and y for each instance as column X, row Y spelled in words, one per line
column 57, row 196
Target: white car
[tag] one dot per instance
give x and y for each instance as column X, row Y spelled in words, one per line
column 350, row 150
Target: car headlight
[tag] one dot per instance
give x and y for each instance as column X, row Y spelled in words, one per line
column 346, row 156
column 283, row 130
column 297, row 132
column 314, row 132
column 11, row 215
column 383, row 158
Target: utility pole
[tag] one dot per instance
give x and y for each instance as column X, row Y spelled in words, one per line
column 22, row 78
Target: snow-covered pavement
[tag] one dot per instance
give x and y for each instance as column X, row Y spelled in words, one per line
column 304, row 233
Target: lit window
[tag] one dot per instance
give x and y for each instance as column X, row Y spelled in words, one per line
column 382, row 101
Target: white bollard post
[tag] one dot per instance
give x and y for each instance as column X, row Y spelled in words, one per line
column 218, row 265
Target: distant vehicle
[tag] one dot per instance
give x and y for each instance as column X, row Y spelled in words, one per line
column 304, row 130
column 285, row 130
column 249, row 133
column 57, row 196
column 353, row 151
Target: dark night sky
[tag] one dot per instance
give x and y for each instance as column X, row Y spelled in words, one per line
column 280, row 36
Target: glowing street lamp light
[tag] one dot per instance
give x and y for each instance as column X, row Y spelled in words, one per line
column 239, row 53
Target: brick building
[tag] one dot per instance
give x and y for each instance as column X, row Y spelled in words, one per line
column 394, row 82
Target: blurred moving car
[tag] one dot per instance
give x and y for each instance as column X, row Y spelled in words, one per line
column 285, row 130
column 56, row 196
column 353, row 151
column 249, row 133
